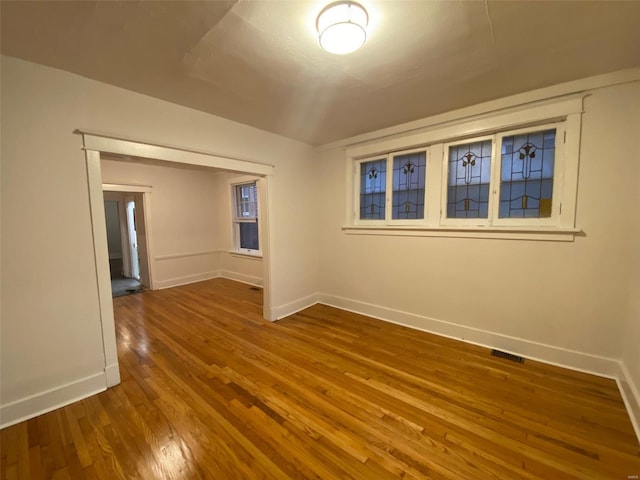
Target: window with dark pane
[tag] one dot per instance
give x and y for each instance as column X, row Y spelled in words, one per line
column 409, row 175
column 249, row 235
column 373, row 184
column 469, row 178
column 526, row 180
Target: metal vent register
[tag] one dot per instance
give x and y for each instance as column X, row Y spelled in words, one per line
column 508, row 356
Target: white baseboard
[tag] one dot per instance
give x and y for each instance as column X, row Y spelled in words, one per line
column 630, row 395
column 293, row 307
column 177, row 281
column 199, row 277
column 53, row 399
column 562, row 357
column 241, row 277
column 112, row 375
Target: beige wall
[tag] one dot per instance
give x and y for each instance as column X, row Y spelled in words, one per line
column 631, row 333
column 182, row 217
column 631, row 345
column 51, row 333
column 567, row 295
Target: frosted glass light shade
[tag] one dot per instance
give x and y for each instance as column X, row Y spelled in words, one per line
column 342, row 27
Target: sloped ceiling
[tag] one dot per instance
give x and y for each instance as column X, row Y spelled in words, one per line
column 259, row 63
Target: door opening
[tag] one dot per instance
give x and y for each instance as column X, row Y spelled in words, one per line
column 122, row 242
column 94, row 146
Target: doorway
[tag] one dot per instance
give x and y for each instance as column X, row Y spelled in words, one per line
column 94, row 146
column 132, row 274
column 122, row 241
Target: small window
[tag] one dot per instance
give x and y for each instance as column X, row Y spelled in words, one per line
column 469, row 180
column 245, row 221
column 397, row 197
column 526, row 177
column 512, row 184
column 373, row 185
column 409, row 177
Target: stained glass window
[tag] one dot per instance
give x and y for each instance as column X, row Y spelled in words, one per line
column 526, row 180
column 409, row 175
column 468, row 182
column 373, row 185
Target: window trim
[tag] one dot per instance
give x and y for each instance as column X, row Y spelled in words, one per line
column 559, row 234
column 565, row 114
column 236, row 221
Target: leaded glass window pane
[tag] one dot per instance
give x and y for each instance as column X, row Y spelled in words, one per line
column 373, row 185
column 526, row 177
column 469, row 177
column 409, row 174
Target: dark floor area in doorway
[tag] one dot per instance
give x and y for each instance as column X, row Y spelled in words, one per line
column 124, row 286
column 121, row 285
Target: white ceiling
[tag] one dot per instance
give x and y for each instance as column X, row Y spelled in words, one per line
column 259, row 63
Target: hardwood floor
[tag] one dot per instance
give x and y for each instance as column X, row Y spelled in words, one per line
column 210, row 390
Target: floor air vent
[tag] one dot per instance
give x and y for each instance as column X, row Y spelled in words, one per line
column 508, row 356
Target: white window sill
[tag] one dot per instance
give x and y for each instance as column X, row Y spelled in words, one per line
column 245, row 254
column 556, row 234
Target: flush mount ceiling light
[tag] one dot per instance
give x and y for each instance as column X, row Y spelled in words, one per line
column 342, row 27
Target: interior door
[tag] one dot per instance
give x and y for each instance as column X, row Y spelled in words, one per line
column 133, row 236
column 141, row 232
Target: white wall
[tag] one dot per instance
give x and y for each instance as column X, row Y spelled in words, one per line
column 51, row 348
column 182, row 218
column 516, row 294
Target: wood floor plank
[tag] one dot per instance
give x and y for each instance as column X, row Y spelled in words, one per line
column 211, row 391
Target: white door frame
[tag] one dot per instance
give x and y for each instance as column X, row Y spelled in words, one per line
column 94, row 145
